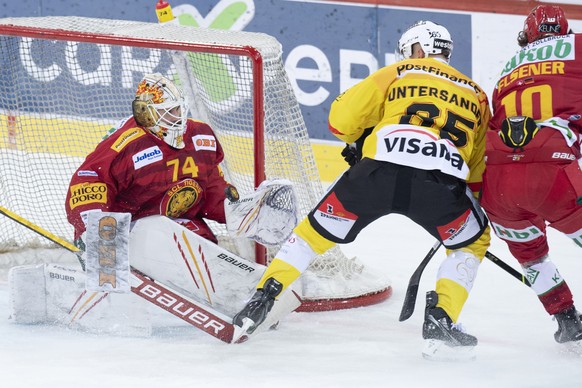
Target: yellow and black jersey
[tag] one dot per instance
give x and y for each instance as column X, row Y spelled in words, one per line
column 425, row 114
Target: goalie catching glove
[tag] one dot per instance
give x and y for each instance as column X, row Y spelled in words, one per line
column 267, row 215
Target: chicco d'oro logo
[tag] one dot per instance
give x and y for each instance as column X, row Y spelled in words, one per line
column 86, row 193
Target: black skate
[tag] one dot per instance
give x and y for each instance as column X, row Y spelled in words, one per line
column 569, row 326
column 443, row 340
column 256, row 310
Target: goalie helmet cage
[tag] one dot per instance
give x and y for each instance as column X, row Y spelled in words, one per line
column 66, row 81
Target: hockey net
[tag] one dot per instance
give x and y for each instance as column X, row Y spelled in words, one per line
column 66, row 81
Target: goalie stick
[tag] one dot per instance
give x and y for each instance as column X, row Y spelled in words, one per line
column 202, row 317
column 412, row 289
column 44, row 233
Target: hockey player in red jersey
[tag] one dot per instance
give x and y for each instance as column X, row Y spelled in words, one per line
column 422, row 124
column 533, row 175
column 158, row 161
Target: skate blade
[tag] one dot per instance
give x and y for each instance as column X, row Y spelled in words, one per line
column 437, row 350
column 241, row 333
column 572, row 348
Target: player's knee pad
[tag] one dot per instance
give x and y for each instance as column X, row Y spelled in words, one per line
column 460, row 267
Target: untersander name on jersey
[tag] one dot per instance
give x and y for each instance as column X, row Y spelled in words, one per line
column 411, row 91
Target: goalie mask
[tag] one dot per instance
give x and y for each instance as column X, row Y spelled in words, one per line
column 433, row 38
column 543, row 21
column 161, row 107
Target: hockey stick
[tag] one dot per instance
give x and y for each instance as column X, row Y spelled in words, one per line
column 507, row 268
column 412, row 289
column 197, row 315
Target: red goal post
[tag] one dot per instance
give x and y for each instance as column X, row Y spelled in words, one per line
column 66, row 81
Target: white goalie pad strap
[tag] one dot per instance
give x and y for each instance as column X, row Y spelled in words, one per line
column 267, row 216
column 107, row 248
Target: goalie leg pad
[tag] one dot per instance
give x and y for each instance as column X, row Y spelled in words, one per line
column 55, row 294
column 27, row 294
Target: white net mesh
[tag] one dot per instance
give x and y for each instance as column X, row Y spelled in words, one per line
column 65, row 81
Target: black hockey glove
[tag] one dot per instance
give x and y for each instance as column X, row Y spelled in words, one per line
column 517, row 131
column 352, row 153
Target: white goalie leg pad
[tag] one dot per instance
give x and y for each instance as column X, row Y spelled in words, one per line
column 55, row 294
column 27, row 294
column 543, row 276
column 436, row 350
column 267, row 216
column 195, row 267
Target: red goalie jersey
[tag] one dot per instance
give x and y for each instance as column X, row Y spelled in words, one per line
column 135, row 171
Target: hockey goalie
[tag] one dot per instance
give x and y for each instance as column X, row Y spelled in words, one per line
column 167, row 265
column 139, row 204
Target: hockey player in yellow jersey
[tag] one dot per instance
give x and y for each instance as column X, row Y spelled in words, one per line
column 416, row 134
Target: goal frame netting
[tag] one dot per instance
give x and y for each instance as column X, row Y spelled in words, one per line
column 333, row 281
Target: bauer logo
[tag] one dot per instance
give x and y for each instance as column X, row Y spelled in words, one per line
column 204, row 142
column 147, row 156
column 181, row 308
column 236, row 262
